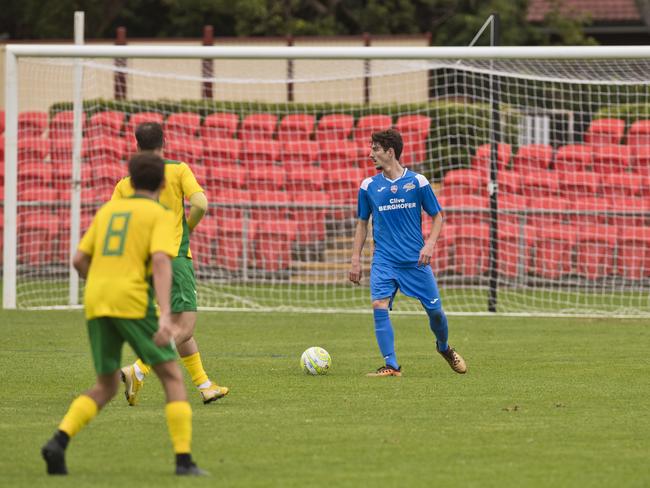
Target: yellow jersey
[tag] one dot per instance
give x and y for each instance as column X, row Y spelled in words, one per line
column 121, row 239
column 180, row 183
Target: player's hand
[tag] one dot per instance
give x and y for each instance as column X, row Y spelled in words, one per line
column 425, row 255
column 355, row 272
column 165, row 333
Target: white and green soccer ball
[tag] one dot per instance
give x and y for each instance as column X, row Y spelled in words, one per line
column 315, row 361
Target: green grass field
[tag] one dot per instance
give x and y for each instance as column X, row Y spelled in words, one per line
column 546, row 402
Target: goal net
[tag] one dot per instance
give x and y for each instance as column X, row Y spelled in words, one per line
column 281, row 146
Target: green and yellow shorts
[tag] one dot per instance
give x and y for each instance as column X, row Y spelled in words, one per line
column 183, row 285
column 108, row 334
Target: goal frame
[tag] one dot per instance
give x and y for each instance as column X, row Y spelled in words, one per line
column 15, row 52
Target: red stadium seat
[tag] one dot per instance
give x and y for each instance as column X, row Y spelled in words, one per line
column 103, row 174
column 140, row 118
column 414, row 151
column 508, row 182
column 299, row 152
column 611, row 158
column 605, row 131
column 334, row 127
column 639, row 134
column 188, row 150
column 630, row 211
column 37, row 229
column 540, row 183
column 228, row 204
column 343, row 189
column 266, row 178
column 481, row 159
column 460, row 209
column 512, row 240
column 61, row 151
column 204, row 242
column 590, row 211
column 441, row 261
column 258, row 127
column 512, row 209
column 633, row 252
column 296, row 127
column 2, row 121
column 572, row 158
column 34, row 173
column 533, row 157
column 338, row 157
column 309, row 216
column 273, row 245
column 622, row 185
column 271, row 205
column 32, row 150
column 182, row 125
column 465, row 182
column 413, row 126
column 553, row 251
column 257, row 152
column 234, row 236
column 595, row 251
column 225, row 176
column 32, row 124
column 640, row 159
column 62, row 124
column 471, row 248
column 547, row 211
column 107, row 124
column 579, row 184
column 103, row 150
column 2, row 148
column 367, row 124
column 220, row 125
column 304, row 178
column 218, row 151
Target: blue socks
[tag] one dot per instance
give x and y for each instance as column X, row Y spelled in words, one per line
column 385, row 336
column 438, row 324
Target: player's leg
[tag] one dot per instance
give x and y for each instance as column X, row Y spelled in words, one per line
column 184, row 316
column 106, row 344
column 382, row 289
column 419, row 282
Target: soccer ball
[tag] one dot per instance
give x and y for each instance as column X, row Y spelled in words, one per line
column 315, row 361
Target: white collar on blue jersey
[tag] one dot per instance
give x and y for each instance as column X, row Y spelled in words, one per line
column 398, row 178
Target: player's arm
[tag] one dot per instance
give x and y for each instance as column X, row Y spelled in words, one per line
column 198, row 208
column 360, row 235
column 81, row 263
column 430, row 242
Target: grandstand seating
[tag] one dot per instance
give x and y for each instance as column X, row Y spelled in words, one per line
column 296, row 127
column 2, row 121
column 299, row 152
column 218, row 151
column 610, row 158
column 219, row 125
column 32, row 149
column 633, row 252
column 471, row 248
column 639, row 134
column 540, row 183
column 621, row 185
column 605, row 131
column 108, row 124
column 510, row 249
column 533, row 157
column 257, row 152
column 304, row 178
column 140, row 118
column 465, row 182
column 61, row 125
column 553, row 247
column 367, row 124
column 260, row 126
column 481, row 159
column 469, row 209
column 182, row 125
column 188, row 150
column 32, row 123
column 595, row 251
column 266, row 178
column 339, row 156
column 640, row 159
column 334, row 127
column 310, row 222
column 572, row 157
column 579, row 184
column 225, row 176
column 103, row 150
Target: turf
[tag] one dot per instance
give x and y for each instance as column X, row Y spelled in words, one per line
column 546, row 402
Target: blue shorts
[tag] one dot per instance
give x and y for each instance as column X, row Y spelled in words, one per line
column 414, row 281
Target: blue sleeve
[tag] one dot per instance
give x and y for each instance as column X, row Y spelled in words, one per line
column 429, row 201
column 363, row 205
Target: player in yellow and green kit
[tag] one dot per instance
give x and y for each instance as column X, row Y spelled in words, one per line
column 180, row 184
column 133, row 236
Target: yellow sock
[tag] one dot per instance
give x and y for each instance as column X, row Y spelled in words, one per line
column 194, row 366
column 179, row 423
column 145, row 368
column 82, row 410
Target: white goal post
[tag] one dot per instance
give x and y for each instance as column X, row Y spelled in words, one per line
column 540, row 157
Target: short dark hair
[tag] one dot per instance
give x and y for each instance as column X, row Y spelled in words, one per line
column 147, row 171
column 149, row 136
column 387, row 139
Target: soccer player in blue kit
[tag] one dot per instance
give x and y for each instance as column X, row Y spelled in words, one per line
column 395, row 198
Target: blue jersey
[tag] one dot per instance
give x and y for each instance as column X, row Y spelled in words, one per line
column 396, row 207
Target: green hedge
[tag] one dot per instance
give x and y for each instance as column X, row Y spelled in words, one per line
column 456, row 127
column 629, row 112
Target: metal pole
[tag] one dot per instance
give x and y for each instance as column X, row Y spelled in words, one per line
column 119, row 87
column 290, row 71
column 495, row 130
column 366, row 71
column 11, row 181
column 77, row 127
column 207, row 65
